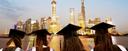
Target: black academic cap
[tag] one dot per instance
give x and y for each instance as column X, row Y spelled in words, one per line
column 101, row 25
column 41, row 32
column 16, row 33
column 68, row 29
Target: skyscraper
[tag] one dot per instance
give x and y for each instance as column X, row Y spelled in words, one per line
column 19, row 25
column 97, row 20
column 43, row 23
column 82, row 16
column 108, row 20
column 72, row 16
column 81, row 19
column 53, row 10
column 35, row 26
column 28, row 26
column 54, row 25
column 83, row 11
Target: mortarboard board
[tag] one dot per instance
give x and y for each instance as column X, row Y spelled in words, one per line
column 68, row 30
column 16, row 33
column 41, row 32
column 71, row 39
column 102, row 25
column 41, row 38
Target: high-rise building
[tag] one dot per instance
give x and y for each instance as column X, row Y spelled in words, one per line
column 83, row 11
column 108, row 20
column 54, row 16
column 19, row 25
column 35, row 26
column 48, row 23
column 28, row 26
column 53, row 8
column 89, row 25
column 72, row 16
column 97, row 20
column 81, row 19
column 43, row 23
column 54, row 24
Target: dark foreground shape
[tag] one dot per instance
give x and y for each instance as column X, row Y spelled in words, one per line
column 103, row 41
column 71, row 40
column 9, row 49
column 41, row 39
column 16, row 36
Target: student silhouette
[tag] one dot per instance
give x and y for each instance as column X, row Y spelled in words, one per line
column 103, row 40
column 71, row 40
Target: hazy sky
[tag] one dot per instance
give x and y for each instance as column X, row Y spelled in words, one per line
column 12, row 10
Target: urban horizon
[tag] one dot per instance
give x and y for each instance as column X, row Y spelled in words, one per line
column 92, row 10
column 56, row 25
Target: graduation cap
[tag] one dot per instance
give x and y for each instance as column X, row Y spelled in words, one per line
column 71, row 39
column 69, row 30
column 102, row 26
column 16, row 33
column 41, row 38
column 41, row 32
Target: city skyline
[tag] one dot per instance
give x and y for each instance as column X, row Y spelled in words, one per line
column 12, row 11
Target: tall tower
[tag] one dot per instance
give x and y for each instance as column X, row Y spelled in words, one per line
column 72, row 17
column 54, row 24
column 82, row 15
column 83, row 10
column 81, row 19
column 53, row 10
